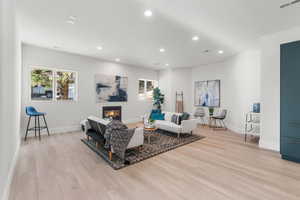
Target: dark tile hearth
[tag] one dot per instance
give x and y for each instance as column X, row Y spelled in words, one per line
column 164, row 142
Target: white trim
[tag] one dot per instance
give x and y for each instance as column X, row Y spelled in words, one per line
column 57, row 130
column 146, row 95
column 268, row 145
column 11, row 173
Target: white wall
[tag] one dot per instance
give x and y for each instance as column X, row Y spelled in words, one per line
column 270, row 86
column 240, row 85
column 10, row 70
column 176, row 80
column 65, row 116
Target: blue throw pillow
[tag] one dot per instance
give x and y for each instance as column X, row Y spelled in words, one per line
column 154, row 112
column 157, row 116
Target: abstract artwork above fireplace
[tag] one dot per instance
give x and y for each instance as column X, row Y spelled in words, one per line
column 111, row 88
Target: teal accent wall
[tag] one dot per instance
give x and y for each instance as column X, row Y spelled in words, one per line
column 290, row 101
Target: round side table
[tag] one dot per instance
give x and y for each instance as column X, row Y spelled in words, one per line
column 150, row 132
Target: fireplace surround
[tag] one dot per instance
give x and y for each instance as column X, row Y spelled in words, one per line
column 114, row 112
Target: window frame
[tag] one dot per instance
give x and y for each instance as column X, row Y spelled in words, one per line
column 54, row 84
column 145, row 94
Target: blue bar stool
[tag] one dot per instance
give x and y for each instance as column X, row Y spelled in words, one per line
column 32, row 112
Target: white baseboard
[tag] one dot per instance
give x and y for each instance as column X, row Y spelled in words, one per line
column 11, row 173
column 269, row 145
column 64, row 129
column 56, row 130
column 69, row 129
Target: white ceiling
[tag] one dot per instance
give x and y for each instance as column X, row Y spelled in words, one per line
column 120, row 27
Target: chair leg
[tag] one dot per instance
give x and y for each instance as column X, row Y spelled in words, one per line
column 39, row 127
column 35, row 126
column 225, row 127
column 27, row 127
column 110, row 155
column 245, row 137
column 46, row 125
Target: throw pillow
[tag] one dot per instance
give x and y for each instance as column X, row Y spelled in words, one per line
column 154, row 112
column 158, row 116
column 179, row 119
column 185, row 116
column 174, row 119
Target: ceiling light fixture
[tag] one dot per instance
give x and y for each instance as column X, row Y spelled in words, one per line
column 70, row 22
column 99, row 48
column 162, row 50
column 72, row 17
column 117, row 59
column 195, row 38
column 167, row 65
column 220, row 51
column 148, row 13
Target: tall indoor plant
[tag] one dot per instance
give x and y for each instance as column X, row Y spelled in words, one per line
column 158, row 98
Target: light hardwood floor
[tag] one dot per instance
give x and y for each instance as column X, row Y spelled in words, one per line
column 221, row 166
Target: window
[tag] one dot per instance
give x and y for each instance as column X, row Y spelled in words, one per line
column 150, row 86
column 141, row 86
column 146, row 87
column 50, row 84
column 65, row 85
column 41, row 84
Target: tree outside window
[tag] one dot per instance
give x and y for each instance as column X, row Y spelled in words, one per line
column 46, row 86
column 41, row 84
column 65, row 85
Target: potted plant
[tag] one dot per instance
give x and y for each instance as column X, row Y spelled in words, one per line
column 211, row 111
column 158, row 98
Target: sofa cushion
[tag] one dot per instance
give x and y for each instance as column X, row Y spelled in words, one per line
column 168, row 126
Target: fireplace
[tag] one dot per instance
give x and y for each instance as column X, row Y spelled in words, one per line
column 114, row 112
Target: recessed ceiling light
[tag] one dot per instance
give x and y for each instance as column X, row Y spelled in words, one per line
column 99, row 48
column 162, row 50
column 195, row 38
column 148, row 13
column 167, row 65
column 220, row 51
column 117, row 59
column 72, row 18
column 70, row 22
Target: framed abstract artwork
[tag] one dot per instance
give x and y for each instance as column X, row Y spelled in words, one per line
column 207, row 93
column 111, row 88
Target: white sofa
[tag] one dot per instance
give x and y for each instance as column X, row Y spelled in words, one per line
column 187, row 126
column 136, row 140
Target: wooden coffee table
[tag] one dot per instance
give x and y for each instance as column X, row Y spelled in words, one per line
column 150, row 132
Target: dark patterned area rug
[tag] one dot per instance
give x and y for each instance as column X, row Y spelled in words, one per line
column 164, row 142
